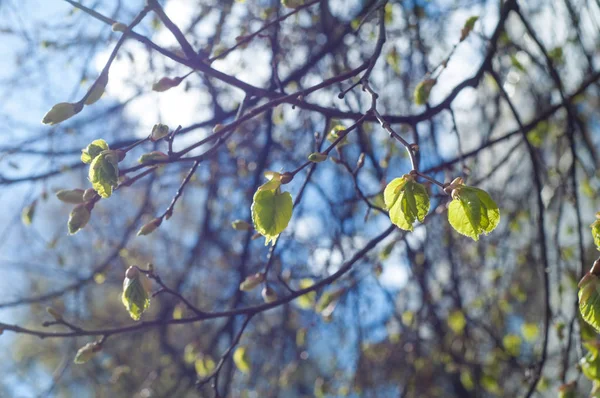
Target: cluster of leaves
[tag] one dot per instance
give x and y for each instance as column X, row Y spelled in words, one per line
column 471, row 212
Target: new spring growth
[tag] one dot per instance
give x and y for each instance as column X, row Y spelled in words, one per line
column 159, row 131
column 268, row 294
column 252, row 281
column 317, row 157
column 468, row 27
column 422, row 91
column 154, row 156
column 97, row 89
column 79, row 217
column 136, row 292
column 149, row 227
column 241, row 225
column 61, row 112
column 74, row 196
column 87, row 352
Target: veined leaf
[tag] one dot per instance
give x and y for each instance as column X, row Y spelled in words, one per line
column 104, row 173
column 473, row 212
column 589, row 300
column 407, row 202
column 271, row 212
column 136, row 293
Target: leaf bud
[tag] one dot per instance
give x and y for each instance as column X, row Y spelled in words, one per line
column 149, row 227
column 78, row 218
column 317, row 157
column 268, row 294
column 159, row 131
column 241, row 225
column 74, row 196
column 252, row 281
column 61, row 112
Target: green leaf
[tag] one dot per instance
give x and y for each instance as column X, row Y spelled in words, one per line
column 472, row 212
column 421, row 94
column 241, row 359
column 512, row 344
column 271, row 212
column 589, row 300
column 468, row 27
column 28, row 213
column 136, row 296
column 590, row 364
column 104, row 173
column 334, row 134
column 407, row 202
column 94, row 149
column 204, row 365
column 530, row 332
column 596, row 231
column 456, row 321
column 307, row 300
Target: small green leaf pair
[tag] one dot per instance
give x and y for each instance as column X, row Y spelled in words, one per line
column 104, row 166
column 271, row 208
column 472, row 211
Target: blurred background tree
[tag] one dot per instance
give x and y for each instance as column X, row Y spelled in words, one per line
column 501, row 93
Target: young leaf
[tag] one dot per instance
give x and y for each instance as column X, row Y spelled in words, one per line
column 136, row 293
column 271, row 212
column 596, row 231
column 468, row 27
column 421, row 94
column 204, row 365
column 334, row 134
column 307, row 300
column 241, row 359
column 407, row 202
column 28, row 213
column 472, row 212
column 590, row 363
column 104, row 173
column 94, row 149
column 589, row 300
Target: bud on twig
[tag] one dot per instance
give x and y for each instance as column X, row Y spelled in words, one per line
column 252, row 281
column 74, row 196
column 268, row 294
column 149, row 227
